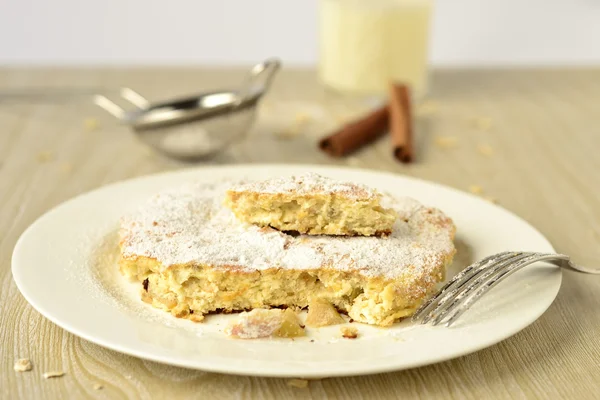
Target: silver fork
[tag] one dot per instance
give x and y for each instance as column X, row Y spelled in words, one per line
column 468, row 286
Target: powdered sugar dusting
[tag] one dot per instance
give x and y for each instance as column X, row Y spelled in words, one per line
column 190, row 225
column 308, row 184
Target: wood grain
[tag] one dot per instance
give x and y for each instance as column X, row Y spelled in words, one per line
column 542, row 134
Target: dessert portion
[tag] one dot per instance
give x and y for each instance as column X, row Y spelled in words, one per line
column 192, row 257
column 313, row 205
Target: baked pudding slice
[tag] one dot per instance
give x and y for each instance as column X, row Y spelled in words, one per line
column 193, row 257
column 311, row 204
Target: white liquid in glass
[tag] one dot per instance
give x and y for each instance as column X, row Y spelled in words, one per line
column 365, row 44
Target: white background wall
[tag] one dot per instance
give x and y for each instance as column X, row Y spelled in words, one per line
column 465, row 32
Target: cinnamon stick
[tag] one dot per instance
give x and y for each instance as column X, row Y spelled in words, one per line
column 356, row 134
column 401, row 122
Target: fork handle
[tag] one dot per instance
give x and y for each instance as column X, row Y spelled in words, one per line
column 564, row 261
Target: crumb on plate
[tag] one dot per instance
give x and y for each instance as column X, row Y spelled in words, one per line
column 349, row 332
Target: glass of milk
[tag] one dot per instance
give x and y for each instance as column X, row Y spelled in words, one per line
column 365, row 44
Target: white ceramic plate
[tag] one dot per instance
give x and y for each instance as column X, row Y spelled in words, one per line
column 55, row 265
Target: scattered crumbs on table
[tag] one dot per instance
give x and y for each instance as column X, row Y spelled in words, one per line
column 288, row 133
column 475, row 189
column 446, row 142
column 91, row 124
column 298, row 383
column 266, row 106
column 66, row 167
column 354, row 161
column 481, row 123
column 295, row 128
column 427, row 108
column 340, row 119
column 147, row 152
column 45, row 156
column 491, row 199
column 349, row 332
column 343, row 118
column 302, row 118
column 98, row 386
column 485, row 149
column 22, row 365
column 53, row 374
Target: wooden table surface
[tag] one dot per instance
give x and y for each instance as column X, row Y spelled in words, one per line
column 529, row 139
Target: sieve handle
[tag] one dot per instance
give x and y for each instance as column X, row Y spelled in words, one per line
column 259, row 79
column 117, row 111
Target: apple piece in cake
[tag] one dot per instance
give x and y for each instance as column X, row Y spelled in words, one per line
column 261, row 323
column 322, row 313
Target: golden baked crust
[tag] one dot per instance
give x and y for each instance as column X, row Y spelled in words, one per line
column 313, row 205
column 191, row 291
column 193, row 257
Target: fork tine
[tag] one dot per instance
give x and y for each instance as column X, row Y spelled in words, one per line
column 531, row 258
column 426, row 307
column 485, row 271
column 452, row 288
column 488, row 274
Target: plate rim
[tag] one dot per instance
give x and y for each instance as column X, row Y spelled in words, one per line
column 265, row 372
